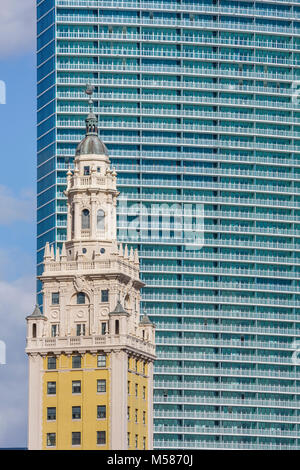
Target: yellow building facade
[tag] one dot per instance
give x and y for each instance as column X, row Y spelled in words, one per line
column 90, row 352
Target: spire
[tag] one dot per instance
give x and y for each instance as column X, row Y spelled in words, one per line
column 63, row 255
column 146, row 320
column 121, row 250
column 136, row 257
column 91, row 121
column 36, row 313
column 119, row 309
column 47, row 251
column 91, row 143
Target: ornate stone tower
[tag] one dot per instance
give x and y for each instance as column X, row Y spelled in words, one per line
column 90, row 355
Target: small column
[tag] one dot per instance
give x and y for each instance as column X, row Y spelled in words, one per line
column 93, row 216
column 77, row 222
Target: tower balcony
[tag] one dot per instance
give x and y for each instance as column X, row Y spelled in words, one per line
column 93, row 343
column 113, row 266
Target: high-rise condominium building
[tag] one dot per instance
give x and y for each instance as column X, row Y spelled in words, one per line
column 198, row 105
column 90, row 355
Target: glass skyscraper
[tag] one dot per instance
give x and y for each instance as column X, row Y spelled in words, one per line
column 197, row 103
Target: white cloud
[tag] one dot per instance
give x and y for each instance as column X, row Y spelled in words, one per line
column 16, row 302
column 14, row 208
column 17, row 26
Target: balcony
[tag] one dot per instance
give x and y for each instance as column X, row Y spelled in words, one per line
column 69, row 344
column 165, row 22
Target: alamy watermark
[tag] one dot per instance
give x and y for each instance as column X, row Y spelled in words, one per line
column 2, row 92
column 162, row 222
column 2, row 352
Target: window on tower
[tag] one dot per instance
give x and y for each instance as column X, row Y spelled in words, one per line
column 101, row 411
column 51, row 388
column 100, row 220
column 104, row 295
column 51, row 439
column 86, row 170
column 51, row 362
column 101, row 386
column 55, row 298
column 76, row 438
column 101, row 360
column 76, row 412
column 81, row 298
column 101, row 437
column 80, row 329
column 76, row 362
column 85, row 219
column 51, row 414
column 76, row 386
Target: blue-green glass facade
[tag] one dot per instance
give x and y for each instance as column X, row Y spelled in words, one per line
column 197, row 102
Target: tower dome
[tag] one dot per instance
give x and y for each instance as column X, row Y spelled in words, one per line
column 91, row 144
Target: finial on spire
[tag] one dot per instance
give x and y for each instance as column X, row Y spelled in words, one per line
column 89, row 90
column 91, row 120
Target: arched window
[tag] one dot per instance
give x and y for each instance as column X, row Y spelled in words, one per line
column 72, row 220
column 85, row 219
column 100, row 220
column 81, row 298
column 117, row 327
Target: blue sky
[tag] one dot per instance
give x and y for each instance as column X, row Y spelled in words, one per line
column 17, row 210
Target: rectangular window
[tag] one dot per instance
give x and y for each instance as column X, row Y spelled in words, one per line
column 101, row 437
column 136, row 416
column 86, row 170
column 76, row 386
column 128, row 387
column 51, row 362
column 51, row 414
column 104, row 295
column 103, row 328
column 51, row 388
column 76, row 362
column 144, row 443
column 136, row 365
column 80, row 329
column 136, row 390
column 101, row 386
column 76, row 438
column 144, row 368
column 101, row 411
column 144, row 417
column 76, row 412
column 101, row 360
column 128, row 439
column 54, row 331
column 136, row 441
column 144, row 392
column 128, row 413
column 55, row 298
column 51, row 439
